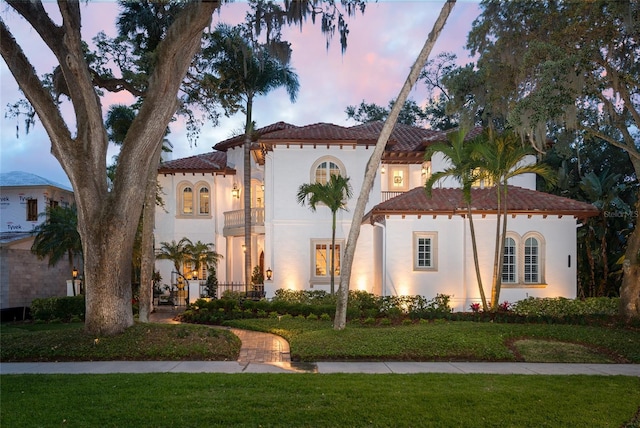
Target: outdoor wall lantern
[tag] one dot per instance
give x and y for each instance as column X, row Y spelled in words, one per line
column 426, row 169
column 235, row 192
column 195, row 275
column 382, row 170
column 74, row 273
column 269, row 274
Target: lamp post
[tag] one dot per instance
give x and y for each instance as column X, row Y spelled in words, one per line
column 74, row 275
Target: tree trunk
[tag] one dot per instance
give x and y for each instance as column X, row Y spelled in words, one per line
column 340, row 320
column 495, row 290
column 476, row 262
column 248, row 130
column 630, row 289
column 147, row 265
column 333, row 253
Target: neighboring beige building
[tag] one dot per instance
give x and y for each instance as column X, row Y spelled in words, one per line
column 23, row 197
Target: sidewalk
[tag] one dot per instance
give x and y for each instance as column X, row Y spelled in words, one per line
column 102, row 367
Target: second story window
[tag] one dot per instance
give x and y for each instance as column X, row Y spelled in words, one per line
column 32, row 210
column 325, row 170
column 187, row 201
column 204, row 200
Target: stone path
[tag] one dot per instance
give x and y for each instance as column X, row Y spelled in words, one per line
column 256, row 347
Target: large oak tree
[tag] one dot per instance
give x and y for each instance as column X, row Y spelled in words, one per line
column 107, row 220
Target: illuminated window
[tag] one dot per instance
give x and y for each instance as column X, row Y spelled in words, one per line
column 187, row 201
column 483, row 181
column 398, row 178
column 324, row 168
column 203, row 203
column 322, row 258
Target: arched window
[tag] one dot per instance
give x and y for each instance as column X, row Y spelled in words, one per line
column 531, row 260
column 187, row 201
column 509, row 264
column 324, row 168
column 203, row 201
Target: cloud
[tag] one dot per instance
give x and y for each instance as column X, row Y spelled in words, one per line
column 382, row 45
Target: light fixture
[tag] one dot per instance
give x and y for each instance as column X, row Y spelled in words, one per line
column 235, row 192
column 195, row 275
column 74, row 273
column 263, row 187
column 383, row 170
column 269, row 274
column 244, row 248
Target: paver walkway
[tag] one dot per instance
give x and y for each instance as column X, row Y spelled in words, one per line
column 256, row 347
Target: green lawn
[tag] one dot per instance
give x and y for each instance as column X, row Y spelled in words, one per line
column 69, row 342
column 458, row 340
column 313, row 400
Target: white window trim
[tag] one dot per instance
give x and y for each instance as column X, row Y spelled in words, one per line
column 516, row 244
column 327, row 278
column 541, row 257
column 434, row 251
column 195, row 188
column 520, row 241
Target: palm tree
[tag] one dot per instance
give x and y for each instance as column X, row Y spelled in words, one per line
column 58, row 236
column 334, row 194
column 603, row 191
column 176, row 252
column 201, row 254
column 242, row 70
column 463, row 162
column 502, row 159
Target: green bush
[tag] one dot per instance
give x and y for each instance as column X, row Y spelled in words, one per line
column 58, row 308
column 560, row 307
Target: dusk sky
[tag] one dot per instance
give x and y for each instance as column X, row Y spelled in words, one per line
column 382, row 45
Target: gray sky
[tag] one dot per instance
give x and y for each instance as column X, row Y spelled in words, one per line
column 382, row 45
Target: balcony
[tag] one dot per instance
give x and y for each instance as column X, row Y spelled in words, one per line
column 234, row 222
column 386, row 195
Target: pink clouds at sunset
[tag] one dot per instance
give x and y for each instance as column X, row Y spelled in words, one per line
column 382, row 45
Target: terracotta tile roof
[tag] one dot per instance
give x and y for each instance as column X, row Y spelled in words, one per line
column 449, row 201
column 324, row 132
column 238, row 140
column 212, row 162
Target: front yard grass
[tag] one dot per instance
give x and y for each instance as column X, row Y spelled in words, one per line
column 312, row 400
column 452, row 341
column 69, row 342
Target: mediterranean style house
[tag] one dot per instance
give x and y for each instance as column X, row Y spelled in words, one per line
column 409, row 244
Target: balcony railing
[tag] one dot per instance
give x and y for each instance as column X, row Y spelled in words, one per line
column 388, row 195
column 234, row 221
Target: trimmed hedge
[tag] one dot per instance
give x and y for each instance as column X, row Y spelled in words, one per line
column 63, row 309
column 317, row 305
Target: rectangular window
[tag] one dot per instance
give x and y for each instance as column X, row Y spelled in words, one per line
column 322, row 258
column 399, row 178
column 32, row 210
column 531, row 264
column 425, row 247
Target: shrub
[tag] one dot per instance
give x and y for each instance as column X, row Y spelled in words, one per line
column 58, row 308
column 561, row 307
